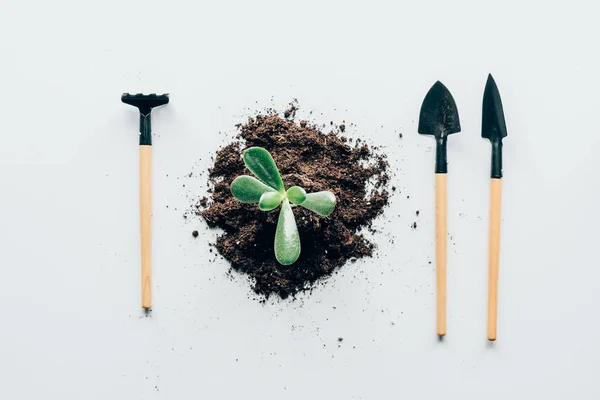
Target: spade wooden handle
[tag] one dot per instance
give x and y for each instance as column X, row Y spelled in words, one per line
column 146, row 223
column 440, row 251
column 494, row 256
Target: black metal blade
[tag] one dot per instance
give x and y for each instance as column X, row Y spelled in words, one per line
column 439, row 114
column 439, row 117
column 493, row 126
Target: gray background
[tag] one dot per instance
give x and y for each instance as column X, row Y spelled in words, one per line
column 71, row 326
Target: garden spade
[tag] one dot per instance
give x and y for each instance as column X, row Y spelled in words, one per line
column 439, row 117
column 493, row 127
column 145, row 103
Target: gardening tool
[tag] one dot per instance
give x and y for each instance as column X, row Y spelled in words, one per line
column 493, row 127
column 439, row 117
column 145, row 103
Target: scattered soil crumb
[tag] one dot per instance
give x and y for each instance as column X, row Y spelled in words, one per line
column 290, row 113
column 195, row 234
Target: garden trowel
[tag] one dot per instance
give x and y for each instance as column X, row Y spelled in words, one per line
column 493, row 127
column 439, row 117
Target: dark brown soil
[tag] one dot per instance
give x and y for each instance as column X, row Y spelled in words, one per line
column 311, row 159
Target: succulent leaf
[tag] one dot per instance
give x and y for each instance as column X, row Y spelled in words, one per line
column 260, row 162
column 287, row 239
column 270, row 200
column 296, row 195
column 248, row 189
column 321, row 203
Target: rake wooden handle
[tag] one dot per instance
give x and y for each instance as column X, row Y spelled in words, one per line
column 146, row 223
column 494, row 256
column 440, row 251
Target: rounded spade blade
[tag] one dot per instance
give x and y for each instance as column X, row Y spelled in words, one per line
column 439, row 117
column 439, row 114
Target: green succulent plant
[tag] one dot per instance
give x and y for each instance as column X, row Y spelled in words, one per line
column 269, row 192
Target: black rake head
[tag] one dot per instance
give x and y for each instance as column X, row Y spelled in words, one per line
column 145, row 102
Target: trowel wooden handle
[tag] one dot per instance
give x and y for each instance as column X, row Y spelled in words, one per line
column 146, row 222
column 440, row 251
column 494, row 256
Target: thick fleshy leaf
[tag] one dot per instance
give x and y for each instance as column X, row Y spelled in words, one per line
column 270, row 200
column 260, row 162
column 296, row 194
column 248, row 189
column 322, row 203
column 287, row 239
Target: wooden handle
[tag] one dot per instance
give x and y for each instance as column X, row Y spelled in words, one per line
column 494, row 256
column 146, row 223
column 440, row 251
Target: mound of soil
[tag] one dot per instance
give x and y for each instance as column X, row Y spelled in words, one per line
column 311, row 159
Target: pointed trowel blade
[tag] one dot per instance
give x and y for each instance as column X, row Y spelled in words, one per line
column 439, row 115
column 493, row 126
